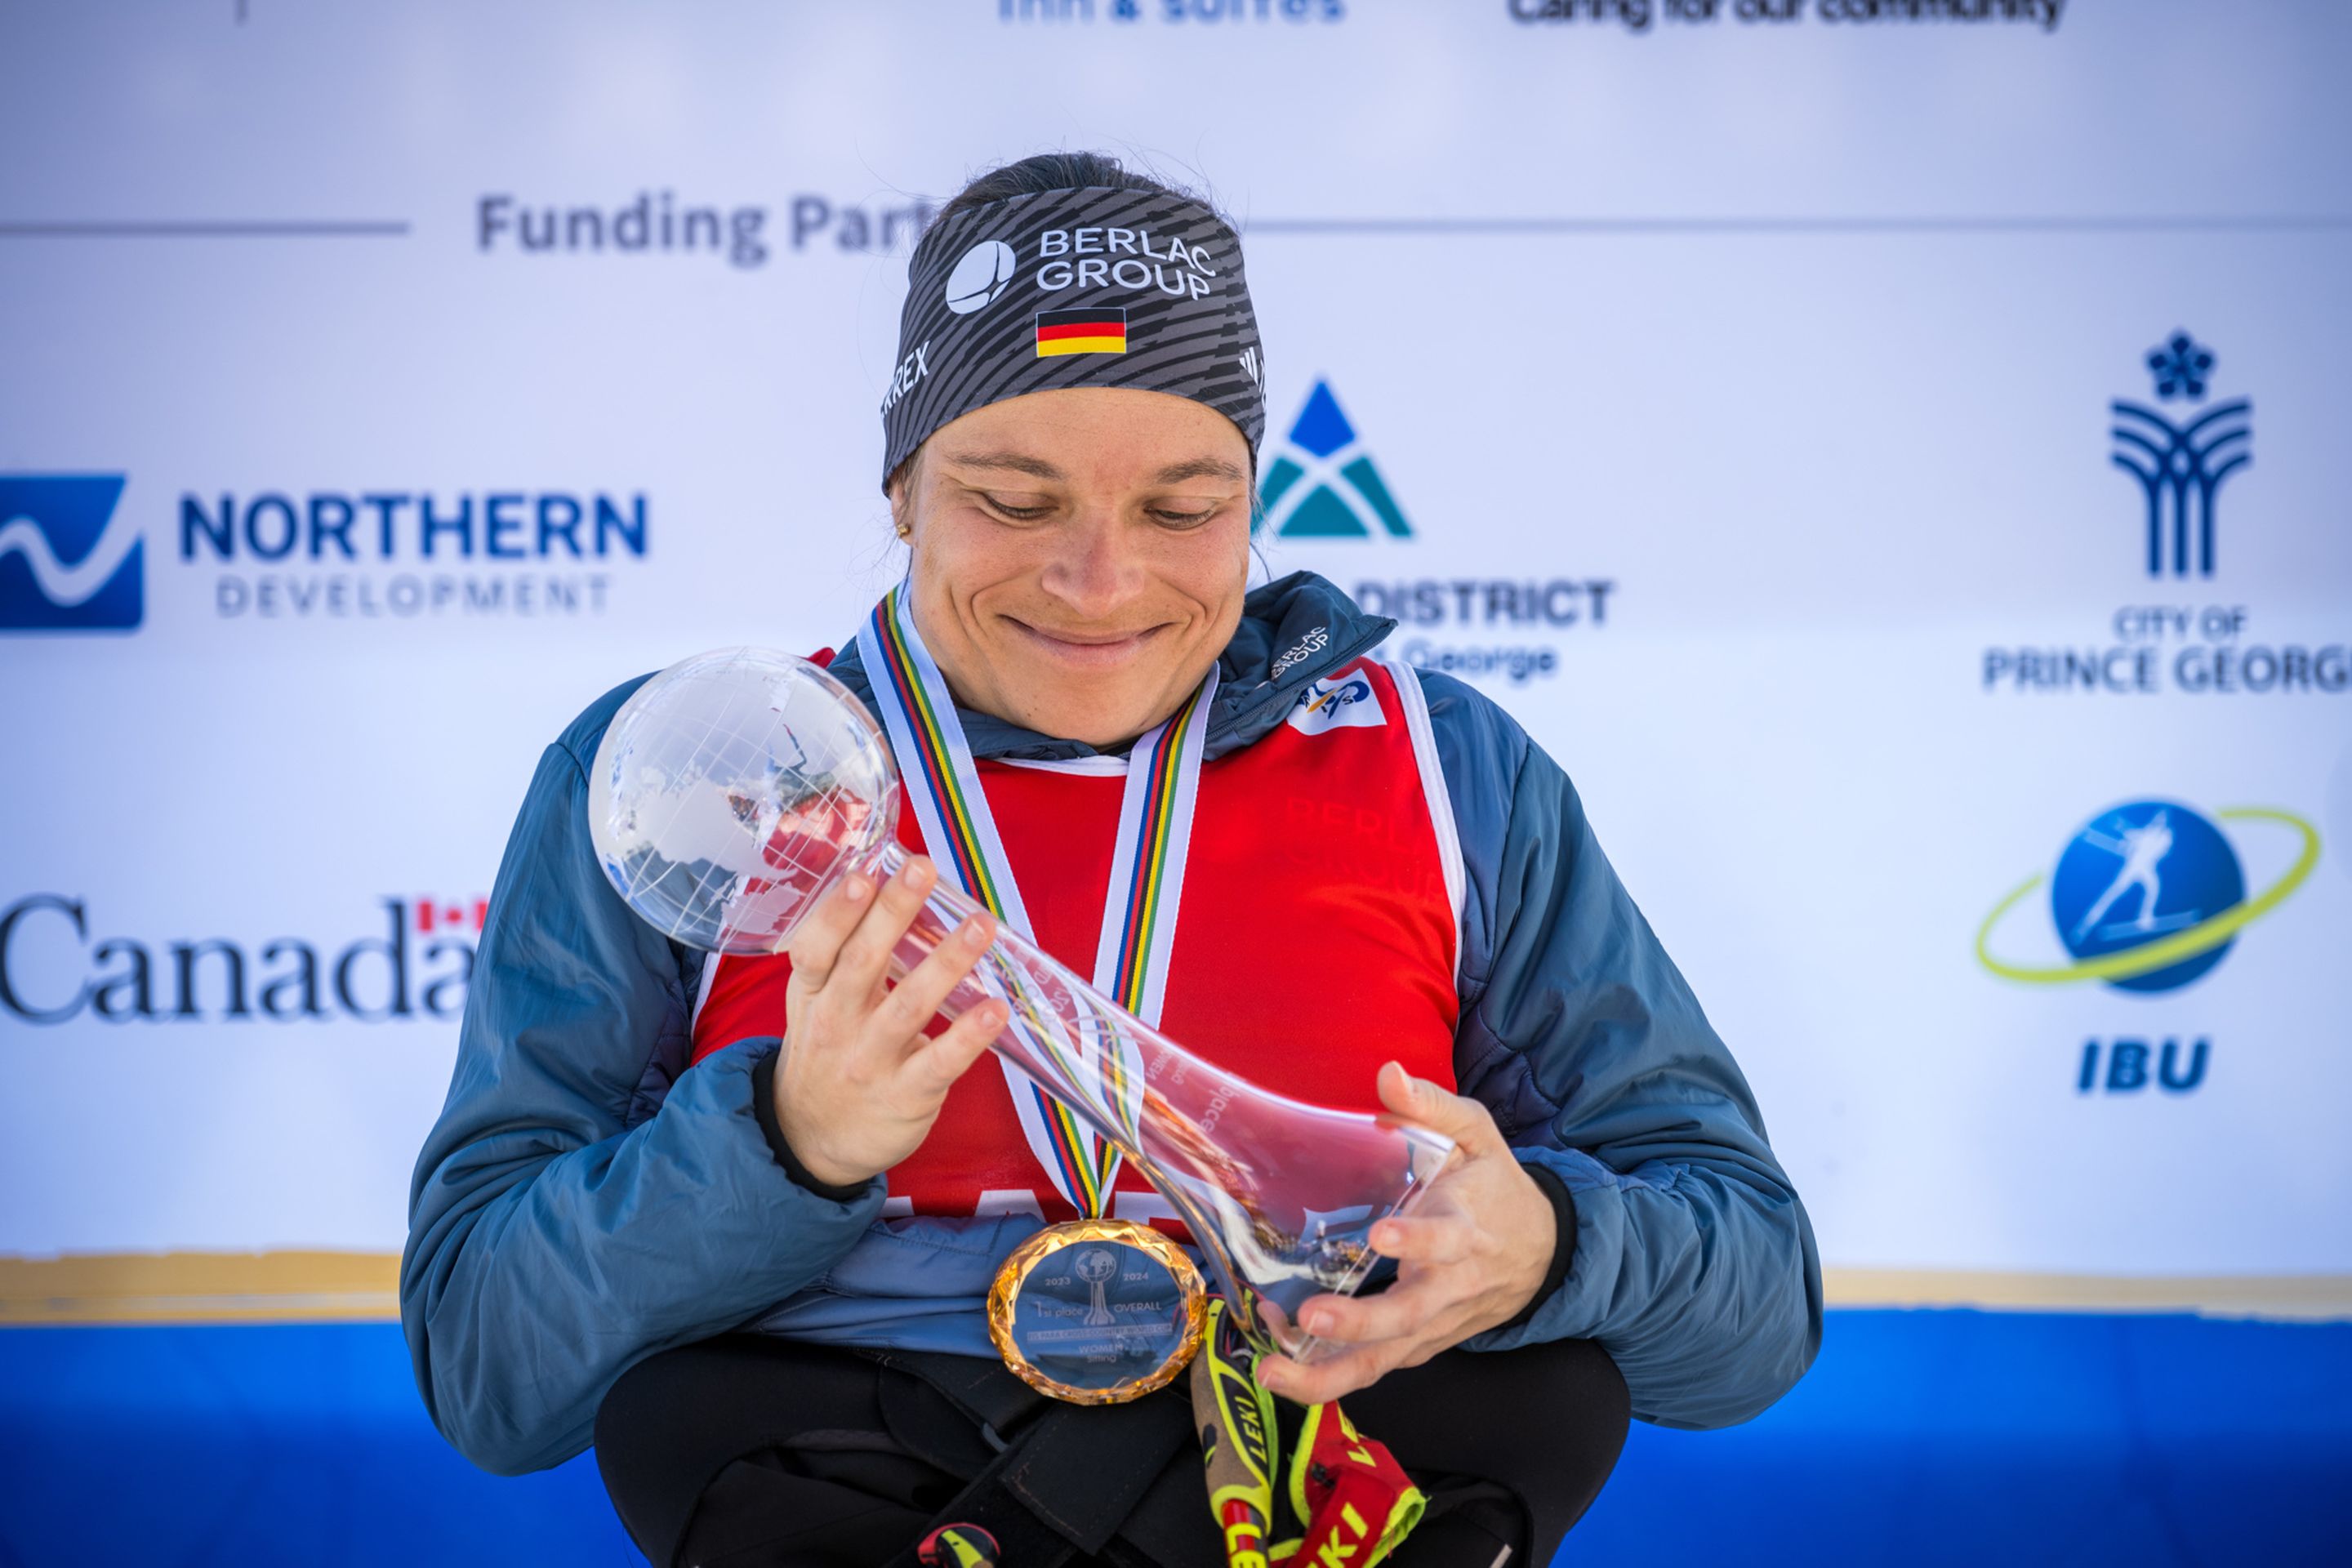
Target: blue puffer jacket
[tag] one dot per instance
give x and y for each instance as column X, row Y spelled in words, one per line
column 585, row 1201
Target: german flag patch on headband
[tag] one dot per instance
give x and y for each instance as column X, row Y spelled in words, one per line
column 1100, row 331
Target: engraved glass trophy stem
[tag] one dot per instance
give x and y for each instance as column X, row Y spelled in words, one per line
column 1279, row 1196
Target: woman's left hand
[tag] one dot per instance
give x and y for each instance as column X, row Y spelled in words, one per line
column 1471, row 1255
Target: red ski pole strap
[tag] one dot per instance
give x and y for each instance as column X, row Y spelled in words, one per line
column 1358, row 1504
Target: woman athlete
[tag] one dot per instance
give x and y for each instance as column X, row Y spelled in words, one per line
column 735, row 1219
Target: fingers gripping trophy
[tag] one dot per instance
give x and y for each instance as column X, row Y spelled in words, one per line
column 736, row 787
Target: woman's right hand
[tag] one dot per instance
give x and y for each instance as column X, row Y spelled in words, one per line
column 859, row 1083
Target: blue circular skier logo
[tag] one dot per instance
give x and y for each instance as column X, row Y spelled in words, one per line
column 2140, row 873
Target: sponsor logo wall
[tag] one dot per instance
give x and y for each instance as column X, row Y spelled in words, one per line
column 1920, row 536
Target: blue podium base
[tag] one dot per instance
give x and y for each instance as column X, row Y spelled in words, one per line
column 1920, row 1439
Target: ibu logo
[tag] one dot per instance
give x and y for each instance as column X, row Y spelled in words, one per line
column 2150, row 896
column 2174, row 1065
column 1322, row 485
column 2181, row 461
column 2139, row 873
column 67, row 563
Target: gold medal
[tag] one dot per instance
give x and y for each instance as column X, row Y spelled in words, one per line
column 1094, row 1312
column 1097, row 1312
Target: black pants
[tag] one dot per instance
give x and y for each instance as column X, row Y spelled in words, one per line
column 747, row 1450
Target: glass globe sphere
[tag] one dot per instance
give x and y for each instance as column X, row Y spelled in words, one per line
column 733, row 788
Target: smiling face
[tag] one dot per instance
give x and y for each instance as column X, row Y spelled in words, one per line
column 1080, row 555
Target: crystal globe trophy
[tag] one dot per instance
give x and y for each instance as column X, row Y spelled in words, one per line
column 734, row 787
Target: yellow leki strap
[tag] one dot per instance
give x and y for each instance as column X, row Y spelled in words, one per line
column 1238, row 1436
column 1350, row 1504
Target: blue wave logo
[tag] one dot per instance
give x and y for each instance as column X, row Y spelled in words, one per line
column 67, row 563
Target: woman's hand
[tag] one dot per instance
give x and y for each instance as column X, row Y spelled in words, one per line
column 859, row 1083
column 1469, row 1256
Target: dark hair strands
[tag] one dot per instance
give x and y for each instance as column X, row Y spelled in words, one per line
column 1062, row 171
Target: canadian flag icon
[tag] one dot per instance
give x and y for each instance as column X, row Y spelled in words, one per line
column 450, row 914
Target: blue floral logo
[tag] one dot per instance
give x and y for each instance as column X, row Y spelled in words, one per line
column 2181, row 367
column 2181, row 466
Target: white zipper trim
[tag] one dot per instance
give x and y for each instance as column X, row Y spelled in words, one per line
column 702, row 993
column 1433, row 790
column 1096, row 766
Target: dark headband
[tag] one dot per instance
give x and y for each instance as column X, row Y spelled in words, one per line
column 1098, row 287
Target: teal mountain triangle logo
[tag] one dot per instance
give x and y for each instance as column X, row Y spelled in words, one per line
column 1322, row 485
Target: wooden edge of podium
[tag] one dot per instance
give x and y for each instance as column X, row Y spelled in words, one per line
column 200, row 1288
column 283, row 1287
column 2294, row 1297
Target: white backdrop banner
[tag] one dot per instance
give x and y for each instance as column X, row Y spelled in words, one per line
column 1890, row 451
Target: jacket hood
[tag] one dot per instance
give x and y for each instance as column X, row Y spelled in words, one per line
column 1293, row 631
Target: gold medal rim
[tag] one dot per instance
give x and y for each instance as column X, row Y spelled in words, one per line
column 1015, row 1270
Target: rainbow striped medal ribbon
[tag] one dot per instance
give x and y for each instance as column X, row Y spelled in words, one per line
column 1099, row 1309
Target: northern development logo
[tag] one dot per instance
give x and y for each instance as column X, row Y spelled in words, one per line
column 1323, row 484
column 2181, row 464
column 2148, row 896
column 67, row 563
